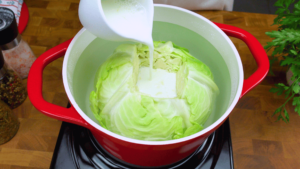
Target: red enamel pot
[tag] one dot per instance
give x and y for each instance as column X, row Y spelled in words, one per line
column 206, row 40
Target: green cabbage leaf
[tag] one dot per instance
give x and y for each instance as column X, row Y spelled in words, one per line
column 120, row 107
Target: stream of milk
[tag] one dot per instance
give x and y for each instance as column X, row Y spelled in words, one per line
column 132, row 19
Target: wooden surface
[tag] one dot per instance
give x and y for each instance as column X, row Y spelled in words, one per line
column 258, row 141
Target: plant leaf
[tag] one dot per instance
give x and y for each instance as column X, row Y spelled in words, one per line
column 295, row 69
column 287, row 61
column 294, row 52
column 286, row 115
column 296, row 88
column 272, row 60
column 277, row 111
column 280, row 10
column 296, row 103
column 279, row 3
column 280, row 88
column 286, row 46
column 280, row 117
column 288, row 3
column 287, row 93
column 297, row 6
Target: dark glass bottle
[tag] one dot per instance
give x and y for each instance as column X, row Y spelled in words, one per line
column 12, row 90
column 9, row 123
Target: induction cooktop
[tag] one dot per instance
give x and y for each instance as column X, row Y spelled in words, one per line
column 77, row 148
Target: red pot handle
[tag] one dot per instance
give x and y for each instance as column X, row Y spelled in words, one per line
column 35, row 83
column 257, row 51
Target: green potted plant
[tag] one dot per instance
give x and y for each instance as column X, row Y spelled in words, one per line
column 286, row 45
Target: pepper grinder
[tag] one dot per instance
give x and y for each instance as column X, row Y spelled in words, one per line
column 12, row 90
column 17, row 53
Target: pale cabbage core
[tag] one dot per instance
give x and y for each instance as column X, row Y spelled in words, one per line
column 161, row 85
column 175, row 103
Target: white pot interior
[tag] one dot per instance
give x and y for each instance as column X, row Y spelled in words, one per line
column 204, row 41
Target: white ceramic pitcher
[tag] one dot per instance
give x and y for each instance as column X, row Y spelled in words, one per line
column 93, row 17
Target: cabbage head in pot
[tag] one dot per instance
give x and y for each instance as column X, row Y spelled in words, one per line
column 121, row 107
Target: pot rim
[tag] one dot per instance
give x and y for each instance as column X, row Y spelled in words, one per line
column 130, row 140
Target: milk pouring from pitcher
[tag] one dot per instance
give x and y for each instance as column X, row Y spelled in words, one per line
column 120, row 20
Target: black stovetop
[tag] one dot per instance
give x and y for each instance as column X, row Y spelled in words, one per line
column 77, row 148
